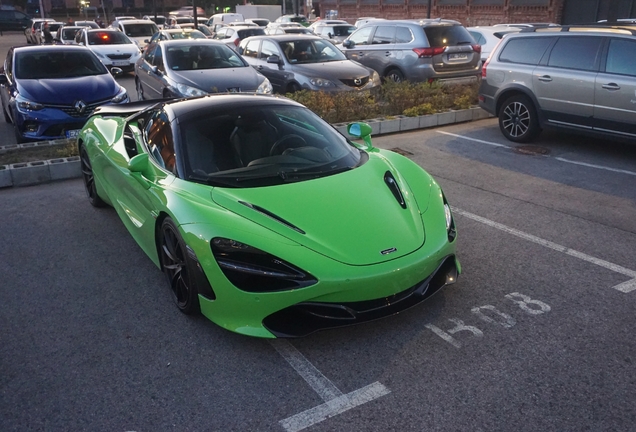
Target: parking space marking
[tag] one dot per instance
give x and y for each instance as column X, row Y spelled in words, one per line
column 335, row 401
column 588, row 165
column 625, row 287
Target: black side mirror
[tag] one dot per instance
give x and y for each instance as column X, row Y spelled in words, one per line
column 347, row 43
column 275, row 60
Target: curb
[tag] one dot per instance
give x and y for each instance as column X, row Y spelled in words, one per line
column 31, row 173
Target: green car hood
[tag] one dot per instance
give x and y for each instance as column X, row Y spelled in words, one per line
column 352, row 217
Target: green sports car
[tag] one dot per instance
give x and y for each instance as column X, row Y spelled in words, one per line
column 264, row 218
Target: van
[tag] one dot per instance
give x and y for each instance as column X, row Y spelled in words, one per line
column 217, row 21
column 14, row 20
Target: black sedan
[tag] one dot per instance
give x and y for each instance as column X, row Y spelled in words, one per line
column 194, row 67
column 295, row 62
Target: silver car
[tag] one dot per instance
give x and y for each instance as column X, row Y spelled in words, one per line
column 194, row 67
column 295, row 62
column 579, row 78
column 416, row 50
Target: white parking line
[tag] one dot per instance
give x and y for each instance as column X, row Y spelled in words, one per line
column 335, row 401
column 625, row 287
column 621, row 171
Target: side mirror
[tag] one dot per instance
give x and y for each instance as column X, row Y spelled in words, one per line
column 137, row 166
column 361, row 130
column 274, row 59
column 115, row 71
column 330, row 35
column 348, row 43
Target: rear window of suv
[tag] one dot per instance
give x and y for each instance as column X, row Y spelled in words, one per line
column 525, row 50
column 439, row 36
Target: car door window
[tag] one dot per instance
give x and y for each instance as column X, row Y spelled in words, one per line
column 403, row 35
column 383, row 35
column 160, row 141
column 269, row 49
column 527, row 50
column 361, row 37
column 577, row 52
column 621, row 57
column 149, row 55
column 158, row 59
column 251, row 49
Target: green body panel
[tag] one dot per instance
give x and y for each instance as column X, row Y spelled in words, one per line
column 342, row 250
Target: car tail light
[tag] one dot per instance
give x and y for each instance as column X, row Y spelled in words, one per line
column 428, row 52
column 237, row 41
column 483, row 68
column 476, row 48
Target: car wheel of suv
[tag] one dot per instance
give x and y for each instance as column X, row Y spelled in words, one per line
column 518, row 119
column 394, row 75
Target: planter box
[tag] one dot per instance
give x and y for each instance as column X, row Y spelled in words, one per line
column 65, row 168
column 342, row 128
column 409, row 123
column 389, row 125
column 375, row 126
column 446, row 118
column 428, row 121
column 28, row 173
column 463, row 115
column 5, row 176
column 479, row 114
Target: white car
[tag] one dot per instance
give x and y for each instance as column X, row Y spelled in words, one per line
column 111, row 46
column 489, row 36
column 137, row 30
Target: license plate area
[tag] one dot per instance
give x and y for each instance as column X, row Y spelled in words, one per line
column 457, row 57
column 121, row 62
column 74, row 133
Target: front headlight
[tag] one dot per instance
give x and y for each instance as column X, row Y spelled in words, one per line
column 450, row 222
column 265, row 87
column 188, row 91
column 375, row 78
column 122, row 96
column 253, row 270
column 321, row 82
column 449, row 216
column 25, row 104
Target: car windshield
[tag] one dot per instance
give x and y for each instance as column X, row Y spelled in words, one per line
column 197, row 57
column 190, row 34
column 343, row 30
column 262, row 146
column 108, row 38
column 444, row 35
column 311, row 51
column 140, row 30
column 57, row 64
column 69, row 32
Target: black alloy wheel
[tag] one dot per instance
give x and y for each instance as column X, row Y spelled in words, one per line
column 518, row 119
column 89, row 179
column 394, row 75
column 293, row 88
column 174, row 263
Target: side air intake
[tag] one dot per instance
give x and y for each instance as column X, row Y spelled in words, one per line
column 395, row 189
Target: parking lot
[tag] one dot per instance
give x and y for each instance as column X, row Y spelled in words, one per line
column 536, row 334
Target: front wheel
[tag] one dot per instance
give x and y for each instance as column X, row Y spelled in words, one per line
column 174, row 263
column 140, row 91
column 518, row 119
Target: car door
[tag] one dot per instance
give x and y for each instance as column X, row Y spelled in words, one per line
column 564, row 84
column 615, row 89
column 150, row 73
column 355, row 47
column 277, row 74
column 137, row 197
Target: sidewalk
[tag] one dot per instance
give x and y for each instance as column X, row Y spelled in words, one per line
column 31, row 173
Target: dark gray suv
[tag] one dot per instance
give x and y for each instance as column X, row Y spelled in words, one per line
column 578, row 77
column 416, row 50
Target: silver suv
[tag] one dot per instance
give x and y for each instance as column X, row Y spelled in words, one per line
column 416, row 50
column 575, row 77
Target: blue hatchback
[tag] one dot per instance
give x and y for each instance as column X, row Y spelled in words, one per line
column 49, row 92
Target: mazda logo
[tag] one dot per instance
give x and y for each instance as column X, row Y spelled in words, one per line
column 357, row 81
column 80, row 106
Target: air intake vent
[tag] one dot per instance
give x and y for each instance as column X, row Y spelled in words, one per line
column 272, row 216
column 395, row 189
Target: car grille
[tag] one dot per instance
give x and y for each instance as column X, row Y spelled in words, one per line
column 118, row 56
column 356, row 82
column 73, row 112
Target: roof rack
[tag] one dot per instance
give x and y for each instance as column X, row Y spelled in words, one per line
column 595, row 27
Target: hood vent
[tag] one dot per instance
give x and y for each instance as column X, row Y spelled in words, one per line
column 395, row 189
column 272, row 216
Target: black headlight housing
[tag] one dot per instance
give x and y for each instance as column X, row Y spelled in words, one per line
column 450, row 221
column 253, row 270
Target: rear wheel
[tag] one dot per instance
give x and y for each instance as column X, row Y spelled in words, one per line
column 394, row 75
column 293, row 88
column 89, row 179
column 174, row 263
column 140, row 91
column 518, row 119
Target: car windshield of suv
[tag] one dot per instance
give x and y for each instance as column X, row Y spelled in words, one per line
column 108, row 38
column 311, row 51
column 140, row 30
column 57, row 64
column 440, row 36
column 262, row 146
column 197, row 57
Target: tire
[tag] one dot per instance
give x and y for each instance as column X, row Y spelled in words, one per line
column 18, row 136
column 140, row 91
column 89, row 179
column 394, row 75
column 293, row 88
column 175, row 264
column 518, row 119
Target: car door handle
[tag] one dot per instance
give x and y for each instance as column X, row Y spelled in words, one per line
column 611, row 86
column 545, row 78
column 387, row 54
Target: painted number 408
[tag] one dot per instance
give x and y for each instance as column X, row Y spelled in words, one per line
column 491, row 315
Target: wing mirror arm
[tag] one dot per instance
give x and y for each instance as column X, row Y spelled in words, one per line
column 137, row 166
column 361, row 130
